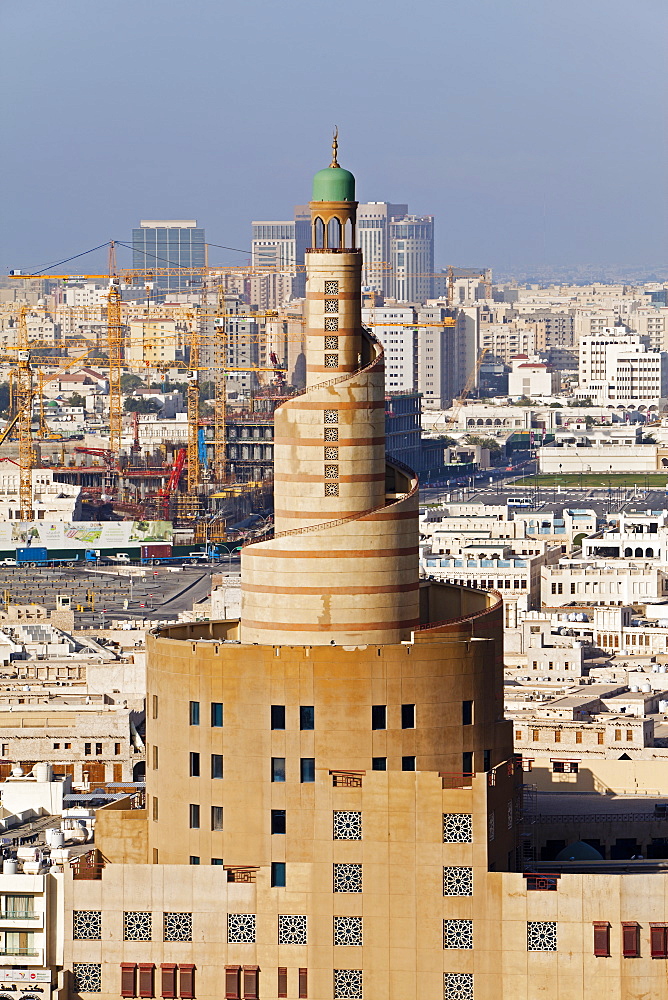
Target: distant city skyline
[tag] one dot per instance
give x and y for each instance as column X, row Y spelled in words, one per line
column 539, row 145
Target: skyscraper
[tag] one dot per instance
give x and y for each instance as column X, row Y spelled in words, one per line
column 412, row 257
column 173, row 244
column 273, row 245
column 373, row 238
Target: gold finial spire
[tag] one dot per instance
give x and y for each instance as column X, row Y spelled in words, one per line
column 335, row 147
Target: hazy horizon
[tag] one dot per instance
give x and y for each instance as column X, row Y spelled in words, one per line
column 534, row 134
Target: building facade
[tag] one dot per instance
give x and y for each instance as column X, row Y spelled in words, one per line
column 171, row 244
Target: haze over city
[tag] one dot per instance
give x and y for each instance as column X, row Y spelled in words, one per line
column 533, row 132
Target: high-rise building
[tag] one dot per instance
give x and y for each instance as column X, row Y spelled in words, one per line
column 273, row 245
column 174, row 244
column 373, row 238
column 412, row 257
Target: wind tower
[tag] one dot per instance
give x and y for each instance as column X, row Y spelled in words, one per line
column 342, row 566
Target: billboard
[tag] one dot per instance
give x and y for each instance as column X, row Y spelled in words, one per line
column 83, row 534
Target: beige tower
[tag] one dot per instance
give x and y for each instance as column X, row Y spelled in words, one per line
column 342, row 565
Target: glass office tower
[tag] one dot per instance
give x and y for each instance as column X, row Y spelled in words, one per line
column 169, row 243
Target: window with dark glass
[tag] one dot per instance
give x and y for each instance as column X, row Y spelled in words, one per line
column 408, row 716
column 216, row 714
column 379, row 716
column 216, row 765
column 408, row 763
column 307, row 769
column 194, row 765
column 379, row 763
column 278, row 768
column 278, row 716
column 194, row 816
column 467, row 713
column 194, row 713
column 278, row 820
column 278, row 874
column 306, row 717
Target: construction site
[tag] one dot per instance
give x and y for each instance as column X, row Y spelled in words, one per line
column 169, row 416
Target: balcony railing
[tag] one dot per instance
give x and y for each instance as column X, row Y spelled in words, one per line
column 19, row 915
column 19, row 952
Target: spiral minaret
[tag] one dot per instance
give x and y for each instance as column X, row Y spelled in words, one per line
column 342, row 566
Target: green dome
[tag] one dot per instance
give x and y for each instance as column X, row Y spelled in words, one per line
column 333, row 184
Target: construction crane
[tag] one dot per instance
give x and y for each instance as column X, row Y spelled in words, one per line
column 470, row 382
column 23, row 394
column 172, row 486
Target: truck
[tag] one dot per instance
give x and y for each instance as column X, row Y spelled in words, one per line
column 38, row 555
column 152, row 555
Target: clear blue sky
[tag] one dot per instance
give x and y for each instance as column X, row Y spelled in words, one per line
column 534, row 130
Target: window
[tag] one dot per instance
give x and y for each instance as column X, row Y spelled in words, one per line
column 379, row 763
column 541, row 935
column 306, row 717
column 129, row 980
column 618, row 734
column 467, row 713
column 303, row 983
column 86, row 924
column 154, row 703
column 194, row 765
column 658, row 936
column 216, row 817
column 467, row 762
column 5, row 749
column 601, row 938
column 216, row 765
column 168, row 980
column 232, row 982
column 486, row 760
column 278, row 768
column 564, row 766
column 408, row 763
column 278, row 820
column 194, row 713
column 408, row 718
column 155, row 807
column 117, row 748
column 630, row 939
column 535, row 735
column 56, row 746
column 251, row 982
column 600, row 738
column 194, row 816
column 379, row 717
column 98, row 749
column 87, row 747
column 282, row 982
column 278, row 716
column 278, row 874
column 137, row 926
column 557, row 736
column 216, row 714
column 629, row 735
column 216, row 861
column 578, row 736
column 307, row 769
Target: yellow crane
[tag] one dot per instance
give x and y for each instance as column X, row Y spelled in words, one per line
column 470, row 382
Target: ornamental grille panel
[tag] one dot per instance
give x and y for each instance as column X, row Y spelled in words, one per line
column 458, row 986
column 331, row 472
column 331, row 433
column 457, row 828
column 87, row 925
column 331, row 323
column 241, row 928
column 331, row 489
column 332, row 454
column 457, row 881
column 541, row 935
column 331, row 361
column 347, row 983
column 331, row 288
column 510, row 814
column 178, row 927
column 490, row 825
column 458, row 934
column 347, row 878
column 348, row 931
column 331, row 343
column 331, row 305
column 87, row 977
column 331, row 416
column 291, row 929
column 347, row 825
column 136, row 926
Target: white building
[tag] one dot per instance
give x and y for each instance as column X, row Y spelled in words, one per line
column 52, row 501
column 531, row 377
column 592, row 582
column 412, row 257
column 373, row 237
column 154, row 342
column 616, row 368
column 394, row 327
column 435, row 358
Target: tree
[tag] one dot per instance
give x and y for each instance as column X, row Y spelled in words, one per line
column 129, row 383
column 135, row 404
column 556, row 406
column 76, row 399
column 449, row 442
column 484, row 442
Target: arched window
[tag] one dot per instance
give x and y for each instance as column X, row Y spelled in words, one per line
column 318, row 234
column 488, row 422
column 349, row 235
column 649, row 553
column 628, row 553
column 480, row 423
column 334, row 234
column 497, row 422
column 638, row 553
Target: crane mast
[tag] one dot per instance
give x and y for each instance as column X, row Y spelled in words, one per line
column 115, row 348
column 23, row 402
